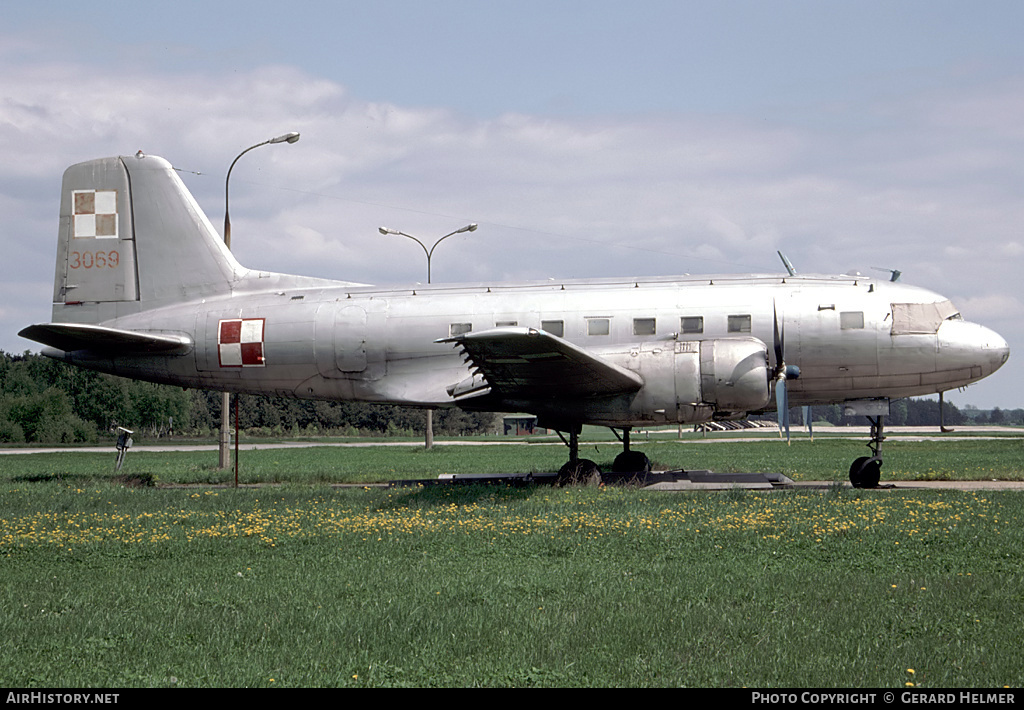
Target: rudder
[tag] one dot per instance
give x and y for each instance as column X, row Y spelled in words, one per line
column 96, row 242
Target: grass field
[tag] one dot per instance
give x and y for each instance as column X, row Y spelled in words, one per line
column 824, row 459
column 302, row 584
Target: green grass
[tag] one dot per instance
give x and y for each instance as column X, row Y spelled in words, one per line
column 103, row 585
column 825, row 459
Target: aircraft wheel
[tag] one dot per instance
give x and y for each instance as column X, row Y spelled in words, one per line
column 631, row 462
column 866, row 472
column 582, row 472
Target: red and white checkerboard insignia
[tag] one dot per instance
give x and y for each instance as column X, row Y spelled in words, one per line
column 94, row 214
column 240, row 342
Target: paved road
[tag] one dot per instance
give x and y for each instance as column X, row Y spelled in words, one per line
column 638, row 438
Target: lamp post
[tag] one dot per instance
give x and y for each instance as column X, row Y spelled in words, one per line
column 429, row 443
column 225, row 414
column 286, row 138
column 429, row 252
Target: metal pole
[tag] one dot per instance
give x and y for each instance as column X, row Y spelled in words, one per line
column 236, row 440
column 429, row 434
column 224, row 459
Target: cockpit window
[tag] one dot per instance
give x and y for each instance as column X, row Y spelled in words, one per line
column 921, row 317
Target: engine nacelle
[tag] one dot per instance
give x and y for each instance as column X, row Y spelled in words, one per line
column 695, row 380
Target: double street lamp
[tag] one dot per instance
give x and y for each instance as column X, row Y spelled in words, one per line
column 429, row 443
column 429, row 252
column 225, row 416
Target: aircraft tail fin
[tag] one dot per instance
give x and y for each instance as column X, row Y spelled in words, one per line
column 131, row 237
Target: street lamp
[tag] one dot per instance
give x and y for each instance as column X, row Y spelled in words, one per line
column 225, row 403
column 429, row 443
column 286, row 138
column 468, row 228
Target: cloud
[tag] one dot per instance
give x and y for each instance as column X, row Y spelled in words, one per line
column 933, row 189
column 992, row 308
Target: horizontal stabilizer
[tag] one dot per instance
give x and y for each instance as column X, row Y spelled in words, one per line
column 70, row 337
column 527, row 363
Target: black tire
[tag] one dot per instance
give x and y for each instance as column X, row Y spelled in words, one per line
column 631, row 462
column 866, row 472
column 582, row 472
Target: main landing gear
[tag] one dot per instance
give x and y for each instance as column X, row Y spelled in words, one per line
column 577, row 470
column 630, row 461
column 866, row 471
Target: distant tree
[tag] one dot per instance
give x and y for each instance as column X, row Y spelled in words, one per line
column 898, row 412
column 925, row 412
column 44, row 417
column 46, row 400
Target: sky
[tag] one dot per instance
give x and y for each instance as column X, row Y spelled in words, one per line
column 587, row 139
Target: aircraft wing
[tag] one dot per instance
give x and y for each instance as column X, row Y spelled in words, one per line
column 77, row 336
column 527, row 363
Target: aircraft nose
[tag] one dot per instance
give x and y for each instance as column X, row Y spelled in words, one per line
column 999, row 348
column 973, row 344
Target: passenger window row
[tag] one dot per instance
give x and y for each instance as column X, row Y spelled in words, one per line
column 688, row 325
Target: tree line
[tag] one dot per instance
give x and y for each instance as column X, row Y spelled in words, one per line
column 48, row 401
column 910, row 412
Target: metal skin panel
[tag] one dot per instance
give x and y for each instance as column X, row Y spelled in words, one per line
column 269, row 333
column 341, row 339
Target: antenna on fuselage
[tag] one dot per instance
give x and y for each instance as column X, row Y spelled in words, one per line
column 894, row 274
column 787, row 264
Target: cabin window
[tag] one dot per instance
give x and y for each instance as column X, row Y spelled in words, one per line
column 459, row 328
column 598, row 326
column 851, row 320
column 644, row 326
column 739, row 324
column 555, row 327
column 691, row 324
column 505, row 323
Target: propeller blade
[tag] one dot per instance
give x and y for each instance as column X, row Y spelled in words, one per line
column 780, row 346
column 781, row 397
column 782, row 405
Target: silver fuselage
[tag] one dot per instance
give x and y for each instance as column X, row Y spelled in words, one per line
column 379, row 345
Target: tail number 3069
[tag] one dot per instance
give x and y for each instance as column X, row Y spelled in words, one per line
column 93, row 260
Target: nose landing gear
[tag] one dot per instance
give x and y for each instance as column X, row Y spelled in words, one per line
column 866, row 471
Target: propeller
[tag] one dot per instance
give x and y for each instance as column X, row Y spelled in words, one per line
column 781, row 374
